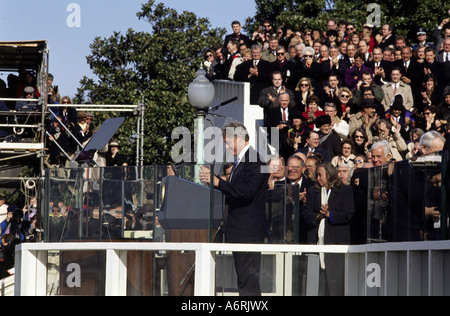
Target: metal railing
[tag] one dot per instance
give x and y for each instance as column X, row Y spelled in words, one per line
column 390, row 269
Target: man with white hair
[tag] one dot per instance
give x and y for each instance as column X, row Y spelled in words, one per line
column 380, row 153
column 345, row 173
column 431, row 142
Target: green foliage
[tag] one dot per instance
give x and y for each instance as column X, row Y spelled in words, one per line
column 157, row 66
column 299, row 14
column 405, row 16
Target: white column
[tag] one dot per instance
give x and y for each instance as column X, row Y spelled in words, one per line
column 205, row 271
column 30, row 272
column 116, row 273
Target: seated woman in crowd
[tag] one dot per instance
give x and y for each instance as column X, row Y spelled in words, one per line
column 360, row 141
column 303, row 91
column 312, row 110
column 346, row 105
column 347, row 156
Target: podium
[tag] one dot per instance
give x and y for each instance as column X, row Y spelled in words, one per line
column 185, row 217
column 186, row 205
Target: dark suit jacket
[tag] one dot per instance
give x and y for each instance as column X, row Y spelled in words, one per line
column 333, row 146
column 266, row 104
column 274, row 116
column 386, row 65
column 263, row 80
column 282, row 212
column 289, row 72
column 441, row 71
column 341, row 206
column 245, row 197
column 319, row 150
column 272, row 119
column 242, row 37
column 327, row 70
column 389, row 42
column 414, row 72
column 440, row 56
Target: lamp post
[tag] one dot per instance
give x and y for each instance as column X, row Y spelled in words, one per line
column 201, row 94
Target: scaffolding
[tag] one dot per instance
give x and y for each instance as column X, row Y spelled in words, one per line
column 15, row 151
column 27, row 139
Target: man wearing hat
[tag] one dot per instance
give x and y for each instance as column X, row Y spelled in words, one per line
column 27, row 105
column 421, row 35
column 329, row 140
column 113, row 158
column 398, row 115
column 84, row 130
column 366, row 117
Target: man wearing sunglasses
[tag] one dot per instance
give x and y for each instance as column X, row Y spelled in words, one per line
column 27, row 105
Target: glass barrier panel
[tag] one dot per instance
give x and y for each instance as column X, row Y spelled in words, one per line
column 283, row 215
column 76, row 273
column 401, row 201
column 405, row 200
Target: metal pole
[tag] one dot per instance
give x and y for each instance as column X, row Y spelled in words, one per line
column 65, row 128
column 142, row 130
column 60, row 148
column 138, row 131
column 199, row 144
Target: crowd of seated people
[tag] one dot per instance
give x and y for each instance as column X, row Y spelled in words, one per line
column 349, row 96
column 353, row 69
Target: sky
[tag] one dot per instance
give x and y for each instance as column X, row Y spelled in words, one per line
column 70, row 26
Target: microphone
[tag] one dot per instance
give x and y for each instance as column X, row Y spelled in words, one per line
column 224, row 103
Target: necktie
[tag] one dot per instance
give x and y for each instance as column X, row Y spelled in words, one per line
column 448, row 57
column 284, row 115
column 395, row 90
column 236, row 161
column 406, row 66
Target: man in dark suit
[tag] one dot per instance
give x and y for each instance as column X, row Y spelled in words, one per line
column 295, row 175
column 444, row 55
column 388, row 38
column 236, row 35
column 412, row 73
column 279, row 118
column 381, row 68
column 268, row 98
column 245, row 198
column 335, row 65
column 312, row 147
column 256, row 71
column 433, row 67
column 286, row 67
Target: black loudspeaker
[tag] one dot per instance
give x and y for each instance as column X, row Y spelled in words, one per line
column 186, row 205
